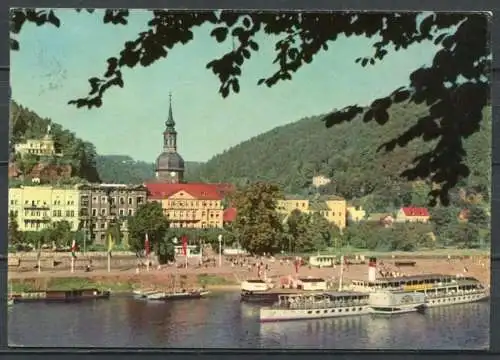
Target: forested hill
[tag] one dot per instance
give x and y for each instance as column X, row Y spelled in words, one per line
column 25, row 124
column 122, row 169
column 290, row 155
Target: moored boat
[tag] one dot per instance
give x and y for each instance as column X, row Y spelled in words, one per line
column 60, row 295
column 182, row 295
column 337, row 304
column 264, row 293
column 438, row 289
column 316, row 306
column 143, row 293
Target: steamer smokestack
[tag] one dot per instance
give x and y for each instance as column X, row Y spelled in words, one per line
column 372, row 269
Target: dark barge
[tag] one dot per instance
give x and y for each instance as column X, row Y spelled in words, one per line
column 58, row 296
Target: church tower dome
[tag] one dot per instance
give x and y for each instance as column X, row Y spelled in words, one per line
column 169, row 164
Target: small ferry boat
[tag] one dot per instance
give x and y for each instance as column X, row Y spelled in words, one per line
column 439, row 290
column 60, row 295
column 182, row 295
column 316, row 306
column 143, row 293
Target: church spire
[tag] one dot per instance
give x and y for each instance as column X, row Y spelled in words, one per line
column 170, row 123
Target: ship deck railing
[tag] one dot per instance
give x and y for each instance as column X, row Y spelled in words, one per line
column 318, row 305
column 453, row 293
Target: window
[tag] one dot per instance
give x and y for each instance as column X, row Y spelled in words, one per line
column 122, row 200
column 103, row 225
column 103, row 236
column 121, row 212
column 103, row 212
column 54, row 213
column 130, row 212
column 130, row 201
column 94, row 212
column 103, row 199
column 94, row 199
column 140, row 199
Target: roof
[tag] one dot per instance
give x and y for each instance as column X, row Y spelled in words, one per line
column 169, row 161
column 198, row 190
column 318, row 206
column 415, row 211
column 331, row 198
column 293, row 197
column 229, row 215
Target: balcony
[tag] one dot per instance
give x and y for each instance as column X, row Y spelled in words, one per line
column 36, row 207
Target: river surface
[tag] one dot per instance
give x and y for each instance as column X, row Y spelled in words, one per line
column 221, row 321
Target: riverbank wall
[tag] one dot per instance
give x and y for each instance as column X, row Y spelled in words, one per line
column 123, row 283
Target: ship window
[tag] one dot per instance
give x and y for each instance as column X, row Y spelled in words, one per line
column 317, row 311
column 325, row 311
column 347, row 310
column 340, row 310
column 333, row 310
column 360, row 309
column 309, row 312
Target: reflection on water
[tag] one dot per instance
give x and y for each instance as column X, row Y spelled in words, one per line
column 453, row 327
column 222, row 321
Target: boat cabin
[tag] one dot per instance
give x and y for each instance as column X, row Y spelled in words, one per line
column 255, row 285
column 409, row 283
column 322, row 300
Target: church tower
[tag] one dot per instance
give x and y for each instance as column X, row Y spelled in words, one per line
column 169, row 164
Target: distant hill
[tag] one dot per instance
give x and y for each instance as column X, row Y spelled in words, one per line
column 122, row 169
column 291, row 155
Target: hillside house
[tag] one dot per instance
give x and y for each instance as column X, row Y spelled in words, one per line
column 413, row 214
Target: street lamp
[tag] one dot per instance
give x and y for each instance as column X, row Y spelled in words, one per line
column 220, row 250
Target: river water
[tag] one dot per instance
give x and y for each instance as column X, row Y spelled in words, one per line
column 221, row 321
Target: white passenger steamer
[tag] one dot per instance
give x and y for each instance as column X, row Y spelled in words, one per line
column 315, row 306
column 330, row 305
column 438, row 289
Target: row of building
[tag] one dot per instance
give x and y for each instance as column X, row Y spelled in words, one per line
column 186, row 205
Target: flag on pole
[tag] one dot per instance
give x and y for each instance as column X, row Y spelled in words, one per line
column 147, row 246
column 73, row 249
column 184, row 245
column 111, row 243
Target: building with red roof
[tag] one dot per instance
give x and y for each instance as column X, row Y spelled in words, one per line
column 413, row 214
column 190, row 205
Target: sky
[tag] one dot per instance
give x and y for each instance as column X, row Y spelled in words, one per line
column 53, row 66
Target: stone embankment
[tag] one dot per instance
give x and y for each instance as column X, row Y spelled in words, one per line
column 62, row 261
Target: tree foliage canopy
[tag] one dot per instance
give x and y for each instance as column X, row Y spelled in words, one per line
column 258, row 226
column 455, row 86
column 148, row 219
